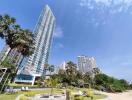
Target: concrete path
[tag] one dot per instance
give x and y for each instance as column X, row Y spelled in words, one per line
column 55, row 97
column 17, row 98
column 118, row 96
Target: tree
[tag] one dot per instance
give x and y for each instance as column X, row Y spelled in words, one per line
column 46, row 66
column 6, row 23
column 111, row 84
column 71, row 71
column 130, row 86
column 51, row 68
column 79, row 75
column 124, row 83
column 61, row 72
column 11, row 69
column 15, row 36
column 87, row 77
column 96, row 71
column 53, row 83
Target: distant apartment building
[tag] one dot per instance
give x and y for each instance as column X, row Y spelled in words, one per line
column 56, row 70
column 12, row 55
column 15, row 57
column 34, row 65
column 63, row 66
column 4, row 53
column 86, row 64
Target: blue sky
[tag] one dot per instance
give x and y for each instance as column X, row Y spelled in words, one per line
column 98, row 28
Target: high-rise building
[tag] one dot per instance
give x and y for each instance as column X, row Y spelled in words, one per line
column 43, row 38
column 86, row 64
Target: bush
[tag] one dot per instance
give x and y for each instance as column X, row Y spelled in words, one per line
column 70, row 87
column 78, row 97
column 97, row 87
column 90, row 93
column 111, row 84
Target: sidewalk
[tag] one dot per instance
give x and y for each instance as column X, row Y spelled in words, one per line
column 118, row 96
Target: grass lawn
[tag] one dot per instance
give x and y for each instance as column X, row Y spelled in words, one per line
column 14, row 84
column 99, row 97
column 45, row 91
column 8, row 96
column 95, row 97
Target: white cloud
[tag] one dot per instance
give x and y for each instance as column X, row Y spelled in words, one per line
column 58, row 33
column 103, row 7
column 116, row 5
column 106, row 2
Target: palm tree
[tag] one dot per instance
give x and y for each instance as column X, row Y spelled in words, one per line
column 25, row 42
column 9, row 65
column 9, row 73
column 87, row 77
column 52, row 82
column 71, row 71
column 46, row 66
column 96, row 71
column 6, row 23
column 61, row 72
column 51, row 68
column 17, row 38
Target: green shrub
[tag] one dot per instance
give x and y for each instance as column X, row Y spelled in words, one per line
column 90, row 93
column 79, row 97
column 97, row 87
column 70, row 87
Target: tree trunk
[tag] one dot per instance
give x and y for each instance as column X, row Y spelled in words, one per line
column 13, row 78
column 14, row 75
column 4, row 82
column 51, row 92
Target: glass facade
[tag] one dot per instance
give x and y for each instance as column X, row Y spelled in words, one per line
column 43, row 37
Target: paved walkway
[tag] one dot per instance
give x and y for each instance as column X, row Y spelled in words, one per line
column 55, row 97
column 17, row 98
column 118, row 96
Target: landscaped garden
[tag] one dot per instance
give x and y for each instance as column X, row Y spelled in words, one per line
column 8, row 96
column 84, row 94
column 69, row 82
column 27, row 94
column 12, row 96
